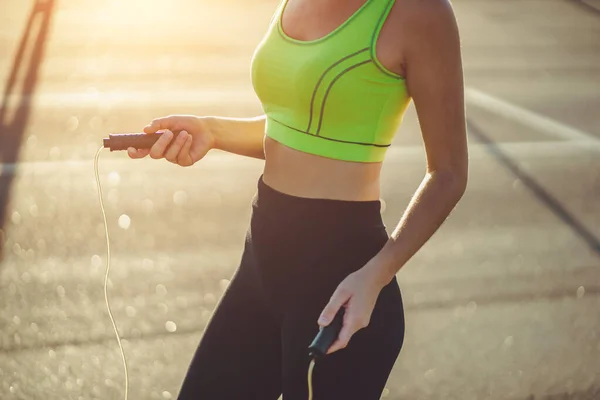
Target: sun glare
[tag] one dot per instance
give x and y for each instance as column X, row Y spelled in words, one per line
column 135, row 12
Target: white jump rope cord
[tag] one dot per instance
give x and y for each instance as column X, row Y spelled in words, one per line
column 112, row 319
column 310, row 372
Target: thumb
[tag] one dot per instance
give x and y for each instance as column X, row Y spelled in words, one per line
column 171, row 123
column 338, row 299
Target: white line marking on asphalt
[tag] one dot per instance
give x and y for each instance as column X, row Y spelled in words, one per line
column 135, row 98
column 529, row 118
column 235, row 96
column 226, row 161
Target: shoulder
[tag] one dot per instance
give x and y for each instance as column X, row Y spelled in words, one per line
column 427, row 22
column 440, row 11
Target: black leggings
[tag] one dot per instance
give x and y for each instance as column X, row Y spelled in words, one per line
column 297, row 251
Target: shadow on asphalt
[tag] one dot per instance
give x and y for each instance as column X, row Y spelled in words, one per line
column 587, row 6
column 523, row 297
column 551, row 202
column 12, row 127
column 593, row 393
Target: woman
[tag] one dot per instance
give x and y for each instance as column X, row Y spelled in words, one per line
column 334, row 78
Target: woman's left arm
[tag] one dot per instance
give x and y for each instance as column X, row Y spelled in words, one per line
column 434, row 77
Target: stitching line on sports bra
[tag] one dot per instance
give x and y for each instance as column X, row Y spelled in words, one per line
column 375, row 36
column 312, row 100
column 331, row 139
column 329, row 89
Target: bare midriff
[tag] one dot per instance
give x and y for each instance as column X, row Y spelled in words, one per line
column 306, row 175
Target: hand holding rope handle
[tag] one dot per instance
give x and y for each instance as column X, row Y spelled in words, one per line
column 122, row 141
column 322, row 342
column 326, row 336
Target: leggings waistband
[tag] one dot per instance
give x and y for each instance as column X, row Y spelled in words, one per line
column 285, row 207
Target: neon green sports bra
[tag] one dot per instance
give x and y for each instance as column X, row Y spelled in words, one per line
column 331, row 96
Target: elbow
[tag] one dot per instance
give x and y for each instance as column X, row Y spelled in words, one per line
column 453, row 179
column 461, row 179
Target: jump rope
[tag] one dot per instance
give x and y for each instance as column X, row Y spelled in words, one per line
column 122, row 141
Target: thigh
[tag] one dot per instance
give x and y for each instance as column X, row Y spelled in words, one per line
column 239, row 355
column 360, row 371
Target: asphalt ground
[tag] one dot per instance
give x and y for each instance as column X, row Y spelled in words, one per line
column 502, row 303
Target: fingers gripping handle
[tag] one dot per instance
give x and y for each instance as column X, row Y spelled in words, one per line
column 326, row 336
column 122, row 141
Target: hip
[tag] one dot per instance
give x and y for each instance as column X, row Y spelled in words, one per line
column 301, row 244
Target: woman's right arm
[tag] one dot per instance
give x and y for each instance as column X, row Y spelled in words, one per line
column 187, row 138
column 243, row 136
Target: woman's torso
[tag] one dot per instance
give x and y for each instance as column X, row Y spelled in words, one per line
column 303, row 174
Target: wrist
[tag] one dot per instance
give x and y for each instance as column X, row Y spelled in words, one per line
column 380, row 271
column 213, row 130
